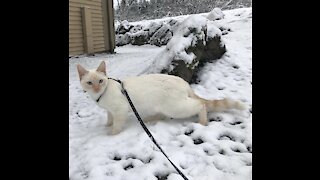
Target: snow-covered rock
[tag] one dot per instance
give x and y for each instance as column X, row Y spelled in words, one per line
column 123, row 27
column 161, row 36
column 122, row 39
column 136, row 28
column 158, row 32
column 153, row 27
column 139, row 38
column 193, row 43
column 215, row 14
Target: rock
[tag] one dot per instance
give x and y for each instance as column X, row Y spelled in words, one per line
column 140, row 38
column 123, row 27
column 193, row 44
column 224, row 30
column 135, row 29
column 181, row 70
column 215, row 14
column 212, row 50
column 172, row 22
column 158, row 34
column 161, row 36
column 153, row 27
column 122, row 39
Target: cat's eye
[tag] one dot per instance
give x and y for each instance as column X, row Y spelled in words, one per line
column 89, row 82
column 100, row 81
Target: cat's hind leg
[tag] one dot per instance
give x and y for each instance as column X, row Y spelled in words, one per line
column 203, row 116
column 187, row 108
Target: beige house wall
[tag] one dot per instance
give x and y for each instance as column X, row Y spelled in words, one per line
column 91, row 26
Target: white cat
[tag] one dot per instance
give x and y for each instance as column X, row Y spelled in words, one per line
column 154, row 95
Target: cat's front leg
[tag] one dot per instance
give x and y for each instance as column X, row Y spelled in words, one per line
column 118, row 121
column 110, row 119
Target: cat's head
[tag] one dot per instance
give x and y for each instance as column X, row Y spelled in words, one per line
column 93, row 81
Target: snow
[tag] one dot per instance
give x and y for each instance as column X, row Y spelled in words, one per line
column 221, row 151
column 215, row 14
column 213, row 30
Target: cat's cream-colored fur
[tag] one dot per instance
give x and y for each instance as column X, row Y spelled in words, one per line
column 153, row 95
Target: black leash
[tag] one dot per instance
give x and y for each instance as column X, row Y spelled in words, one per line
column 146, row 129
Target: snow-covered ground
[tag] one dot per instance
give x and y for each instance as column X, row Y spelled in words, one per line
column 220, row 151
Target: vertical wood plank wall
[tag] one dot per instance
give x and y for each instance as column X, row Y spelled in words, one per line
column 97, row 38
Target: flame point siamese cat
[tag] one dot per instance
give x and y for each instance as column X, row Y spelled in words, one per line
column 155, row 96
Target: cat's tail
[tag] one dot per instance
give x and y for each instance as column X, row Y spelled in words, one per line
column 220, row 105
column 223, row 105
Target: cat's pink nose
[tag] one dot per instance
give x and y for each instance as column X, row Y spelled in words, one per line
column 96, row 88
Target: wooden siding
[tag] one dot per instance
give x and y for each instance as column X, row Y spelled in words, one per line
column 77, row 32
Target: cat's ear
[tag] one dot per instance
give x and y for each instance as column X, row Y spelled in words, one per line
column 102, row 68
column 82, row 71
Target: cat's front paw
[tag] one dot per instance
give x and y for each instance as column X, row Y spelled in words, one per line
column 109, row 123
column 204, row 123
column 115, row 131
